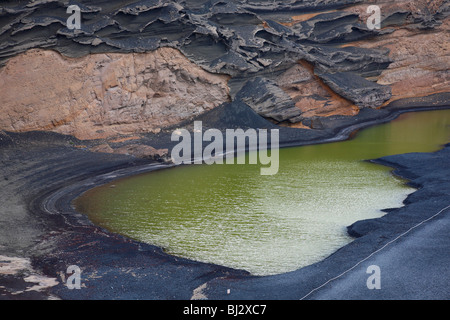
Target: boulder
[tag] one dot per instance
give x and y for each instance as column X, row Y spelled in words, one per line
column 268, row 100
column 362, row 92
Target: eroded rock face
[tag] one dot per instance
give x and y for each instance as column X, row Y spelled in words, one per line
column 406, row 59
column 327, row 61
column 104, row 95
column 311, row 95
column 269, row 100
column 421, row 61
column 417, row 37
column 363, row 93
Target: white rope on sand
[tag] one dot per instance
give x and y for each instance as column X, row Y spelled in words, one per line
column 375, row 252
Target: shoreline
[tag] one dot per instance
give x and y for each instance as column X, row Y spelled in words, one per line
column 48, row 204
column 75, row 236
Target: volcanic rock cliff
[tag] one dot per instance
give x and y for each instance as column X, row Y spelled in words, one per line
column 103, row 95
column 141, row 66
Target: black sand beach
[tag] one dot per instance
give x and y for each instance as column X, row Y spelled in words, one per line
column 44, row 172
column 137, row 70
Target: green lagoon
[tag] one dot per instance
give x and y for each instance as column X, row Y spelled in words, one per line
column 233, row 216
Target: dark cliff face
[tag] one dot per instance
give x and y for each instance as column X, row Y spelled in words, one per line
column 345, row 66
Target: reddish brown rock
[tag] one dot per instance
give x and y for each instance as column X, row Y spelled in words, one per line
column 311, row 95
column 420, row 58
column 104, row 95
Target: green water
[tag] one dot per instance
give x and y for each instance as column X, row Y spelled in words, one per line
column 233, row 216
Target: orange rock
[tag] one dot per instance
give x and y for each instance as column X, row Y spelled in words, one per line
column 311, row 95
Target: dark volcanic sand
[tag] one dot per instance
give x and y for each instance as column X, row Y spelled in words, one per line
column 43, row 172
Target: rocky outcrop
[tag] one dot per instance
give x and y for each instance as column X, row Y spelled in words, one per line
column 420, row 64
column 416, row 36
column 321, row 54
column 269, row 100
column 360, row 91
column 311, row 95
column 406, row 59
column 332, row 27
column 137, row 150
column 104, row 95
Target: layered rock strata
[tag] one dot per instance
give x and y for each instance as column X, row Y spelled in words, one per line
column 321, row 54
